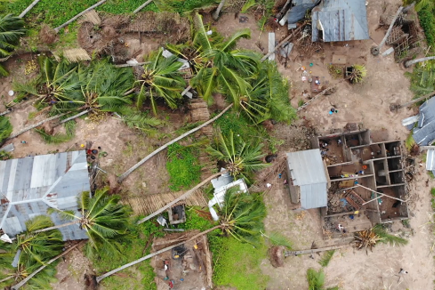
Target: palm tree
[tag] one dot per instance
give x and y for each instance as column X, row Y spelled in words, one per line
column 103, row 87
column 223, row 69
column 32, row 250
column 103, row 218
column 11, row 29
column 316, row 280
column 161, row 78
column 57, row 81
column 269, row 97
column 241, row 217
column 240, row 158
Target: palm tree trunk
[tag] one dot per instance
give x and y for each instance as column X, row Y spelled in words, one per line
column 35, row 125
column 99, row 278
column 57, row 227
column 136, row 166
column 28, row 8
column 24, row 281
column 182, row 197
column 218, row 10
column 417, row 100
column 78, row 15
column 411, row 62
column 75, row 116
column 142, row 6
column 377, row 49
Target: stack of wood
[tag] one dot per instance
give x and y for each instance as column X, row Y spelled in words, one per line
column 354, row 199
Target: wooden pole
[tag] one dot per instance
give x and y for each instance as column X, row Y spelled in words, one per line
column 377, row 49
column 428, row 96
column 283, row 42
column 311, row 251
column 24, row 281
column 137, row 165
column 78, row 15
column 382, row 194
column 142, row 6
column 411, row 62
column 36, row 125
column 28, row 8
column 182, row 197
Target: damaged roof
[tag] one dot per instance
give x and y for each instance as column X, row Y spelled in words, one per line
column 299, row 8
column 308, row 172
column 424, row 132
column 29, row 186
column 340, row 20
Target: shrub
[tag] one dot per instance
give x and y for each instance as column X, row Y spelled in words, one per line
column 5, row 128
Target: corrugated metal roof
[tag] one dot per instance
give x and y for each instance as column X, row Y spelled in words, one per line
column 314, row 195
column 29, row 186
column 306, row 167
column 430, row 160
column 424, row 133
column 341, row 20
column 308, row 172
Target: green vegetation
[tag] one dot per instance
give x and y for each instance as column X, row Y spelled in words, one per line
column 104, row 219
column 359, row 72
column 35, row 251
column 5, row 155
column 11, row 30
column 183, row 6
column 425, row 10
column 316, row 280
column 387, row 238
column 6, row 128
column 70, row 128
column 409, row 142
column 236, row 264
column 432, row 192
column 327, row 257
column 422, row 78
column 241, row 159
column 278, row 239
column 161, row 79
column 137, row 245
column 183, row 167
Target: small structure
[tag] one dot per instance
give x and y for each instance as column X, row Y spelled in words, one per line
column 221, row 185
column 187, row 267
column 307, row 178
column 332, row 20
column 29, row 186
column 177, row 214
column 424, row 132
column 340, row 20
column 430, row 160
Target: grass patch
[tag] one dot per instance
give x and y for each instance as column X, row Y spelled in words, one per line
column 326, row 258
column 183, row 167
column 141, row 276
column 70, row 128
column 409, row 142
column 236, row 264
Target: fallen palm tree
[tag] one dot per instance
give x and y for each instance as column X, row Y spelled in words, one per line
column 158, row 150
